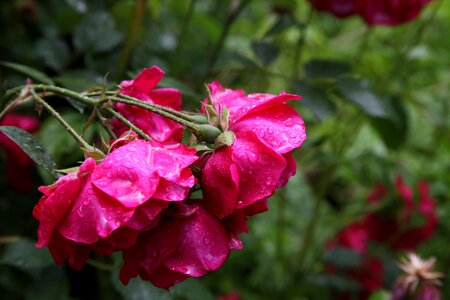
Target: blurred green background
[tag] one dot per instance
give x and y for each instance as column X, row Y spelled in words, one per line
column 375, row 102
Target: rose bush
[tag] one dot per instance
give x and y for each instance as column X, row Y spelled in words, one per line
column 137, row 199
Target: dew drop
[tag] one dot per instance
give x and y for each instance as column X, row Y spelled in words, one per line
column 81, row 211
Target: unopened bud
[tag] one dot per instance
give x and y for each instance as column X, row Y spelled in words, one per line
column 198, row 119
column 207, row 133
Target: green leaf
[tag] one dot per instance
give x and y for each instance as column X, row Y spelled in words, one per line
column 265, row 52
column 284, row 21
column 394, row 128
column 32, row 147
column 25, row 256
column 315, row 99
column 343, row 258
column 28, row 71
column 96, row 33
column 359, row 92
column 326, row 68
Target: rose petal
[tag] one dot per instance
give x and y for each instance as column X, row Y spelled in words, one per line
column 220, row 182
column 93, row 216
column 145, row 81
column 279, row 127
column 175, row 191
column 168, row 97
column 202, row 247
column 289, row 171
column 163, row 277
column 127, row 175
column 259, row 167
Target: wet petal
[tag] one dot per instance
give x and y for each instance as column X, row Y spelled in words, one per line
column 220, row 182
column 279, row 127
column 203, row 245
column 259, row 168
column 145, row 81
column 93, row 216
column 127, row 175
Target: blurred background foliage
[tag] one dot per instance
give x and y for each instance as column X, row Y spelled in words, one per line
column 375, row 101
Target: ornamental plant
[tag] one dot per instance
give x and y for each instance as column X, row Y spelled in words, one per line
column 174, row 210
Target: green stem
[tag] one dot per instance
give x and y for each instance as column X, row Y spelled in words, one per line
column 221, row 41
column 363, row 45
column 184, row 30
column 60, row 119
column 300, row 44
column 131, row 39
column 105, row 126
column 153, row 108
column 280, row 225
column 194, row 118
column 127, row 123
column 64, row 92
column 100, row 265
column 309, row 233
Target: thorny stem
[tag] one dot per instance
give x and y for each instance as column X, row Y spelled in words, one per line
column 61, row 120
column 155, row 109
column 127, row 123
column 177, row 113
column 105, row 126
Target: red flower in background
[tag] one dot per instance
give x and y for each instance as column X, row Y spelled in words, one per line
column 230, row 296
column 19, row 166
column 103, row 207
column 142, row 87
column 381, row 12
column 392, row 226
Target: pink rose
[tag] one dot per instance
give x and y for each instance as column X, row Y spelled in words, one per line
column 142, row 87
column 104, row 206
column 19, row 166
column 259, row 161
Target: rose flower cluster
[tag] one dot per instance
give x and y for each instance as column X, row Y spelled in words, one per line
column 402, row 224
column 380, row 12
column 139, row 198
